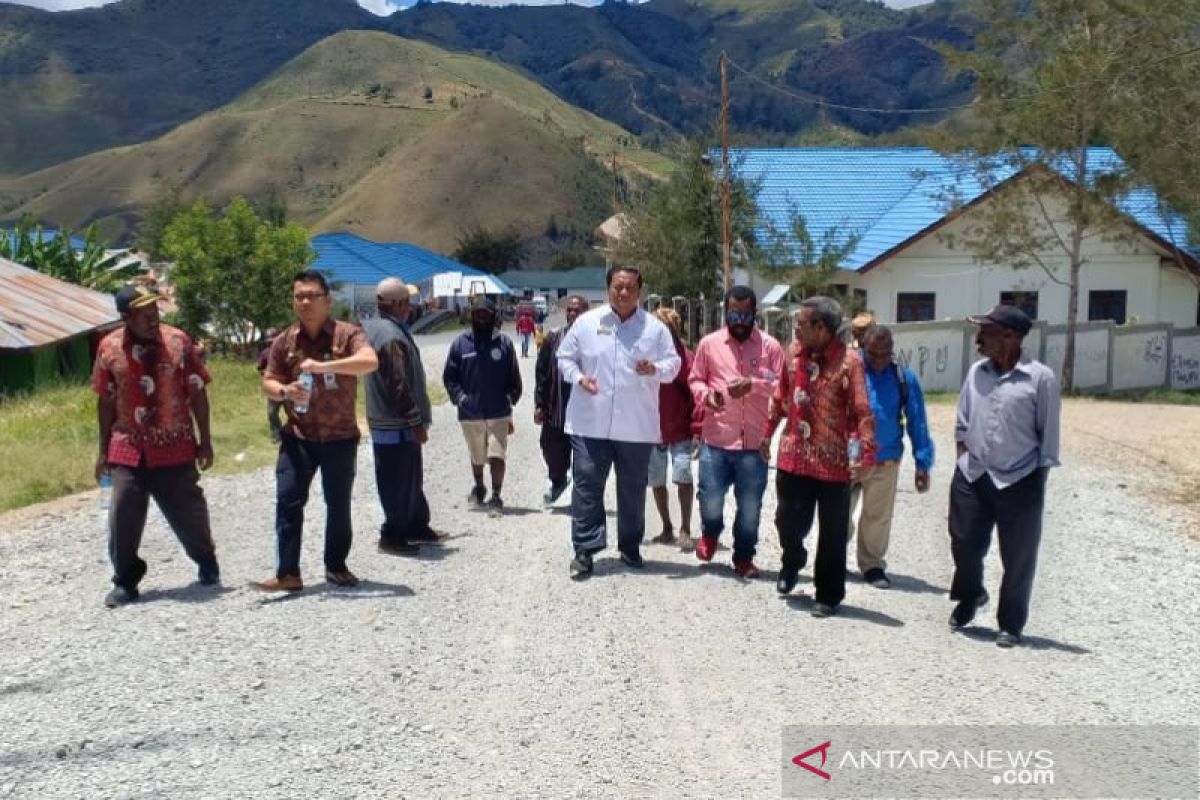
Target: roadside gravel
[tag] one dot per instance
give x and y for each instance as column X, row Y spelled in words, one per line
column 481, row 669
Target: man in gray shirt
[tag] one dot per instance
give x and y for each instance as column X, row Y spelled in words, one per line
column 1007, row 437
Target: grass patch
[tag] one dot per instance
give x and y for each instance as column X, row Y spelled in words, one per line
column 49, row 438
column 1169, row 397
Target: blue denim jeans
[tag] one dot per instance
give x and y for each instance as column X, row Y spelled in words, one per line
column 593, row 460
column 746, row 472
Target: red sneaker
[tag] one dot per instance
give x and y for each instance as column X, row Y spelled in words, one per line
column 706, row 548
column 746, row 569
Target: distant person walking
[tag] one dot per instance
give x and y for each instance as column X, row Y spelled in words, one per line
column 525, row 329
column 313, row 368
column 483, row 380
column 673, row 454
column 614, row 357
column 550, row 396
column 151, row 387
column 399, row 414
column 822, row 399
column 896, row 403
column 734, row 379
column 1007, row 434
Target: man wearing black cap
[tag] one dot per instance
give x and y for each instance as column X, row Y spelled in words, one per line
column 483, row 380
column 151, row 381
column 1007, row 436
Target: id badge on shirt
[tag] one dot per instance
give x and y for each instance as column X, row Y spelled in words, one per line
column 330, row 382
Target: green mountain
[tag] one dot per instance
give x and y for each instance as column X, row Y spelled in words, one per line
column 80, row 81
column 369, row 133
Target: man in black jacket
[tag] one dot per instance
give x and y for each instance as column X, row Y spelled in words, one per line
column 550, row 397
column 483, row 380
column 399, row 414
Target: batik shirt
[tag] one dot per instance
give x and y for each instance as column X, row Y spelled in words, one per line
column 151, row 385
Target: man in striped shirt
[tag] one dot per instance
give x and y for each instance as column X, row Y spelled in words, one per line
column 550, row 397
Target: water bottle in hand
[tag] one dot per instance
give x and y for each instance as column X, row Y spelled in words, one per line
column 105, row 484
column 306, row 382
column 854, row 450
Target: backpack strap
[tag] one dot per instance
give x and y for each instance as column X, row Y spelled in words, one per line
column 902, row 381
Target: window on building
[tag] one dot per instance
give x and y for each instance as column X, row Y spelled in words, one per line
column 1026, row 301
column 860, row 298
column 916, row 306
column 1107, row 304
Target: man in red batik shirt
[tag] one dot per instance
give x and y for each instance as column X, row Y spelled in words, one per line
column 822, row 399
column 151, row 381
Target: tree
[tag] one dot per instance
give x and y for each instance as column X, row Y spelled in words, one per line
column 166, row 206
column 808, row 266
column 675, row 236
column 91, row 265
column 1053, row 77
column 232, row 270
column 490, row 251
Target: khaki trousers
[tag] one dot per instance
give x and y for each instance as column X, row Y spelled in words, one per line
column 876, row 490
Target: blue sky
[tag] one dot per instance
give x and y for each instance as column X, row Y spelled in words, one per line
column 377, row 6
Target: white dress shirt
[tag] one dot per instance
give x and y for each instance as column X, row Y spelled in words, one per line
column 600, row 346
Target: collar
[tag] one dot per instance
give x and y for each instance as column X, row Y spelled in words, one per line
column 616, row 318
column 327, row 329
column 1024, row 365
column 755, row 336
column 833, row 353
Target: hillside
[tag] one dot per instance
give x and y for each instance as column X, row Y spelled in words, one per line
column 345, row 134
column 79, row 81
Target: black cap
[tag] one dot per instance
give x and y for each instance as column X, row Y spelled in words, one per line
column 135, row 296
column 481, row 301
column 1009, row 317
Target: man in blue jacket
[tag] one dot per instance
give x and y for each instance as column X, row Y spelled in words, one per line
column 483, row 380
column 897, row 403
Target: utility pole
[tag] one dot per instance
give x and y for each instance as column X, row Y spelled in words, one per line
column 726, row 243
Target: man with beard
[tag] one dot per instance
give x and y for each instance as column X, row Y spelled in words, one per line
column 614, row 357
column 550, row 396
column 399, row 413
column 829, row 431
column 150, row 382
column 483, row 380
column 1007, row 436
column 734, row 378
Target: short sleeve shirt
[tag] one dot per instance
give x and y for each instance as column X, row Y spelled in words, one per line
column 151, row 385
column 331, row 414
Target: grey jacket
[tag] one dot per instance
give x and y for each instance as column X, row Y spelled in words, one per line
column 396, row 395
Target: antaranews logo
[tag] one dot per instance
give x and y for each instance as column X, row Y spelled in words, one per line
column 823, row 749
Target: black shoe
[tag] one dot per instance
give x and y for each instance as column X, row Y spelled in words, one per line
column 877, row 578
column 964, row 612
column 581, row 566
column 633, row 559
column 119, row 596
column 787, row 580
column 477, row 496
column 495, row 506
column 398, row 547
column 209, row 574
column 427, row 535
column 554, row 492
column 1006, row 640
column 822, row 610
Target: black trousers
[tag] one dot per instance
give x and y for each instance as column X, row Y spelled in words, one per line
column 400, row 479
column 1016, row 513
column 177, row 493
column 799, row 498
column 298, row 463
column 556, row 451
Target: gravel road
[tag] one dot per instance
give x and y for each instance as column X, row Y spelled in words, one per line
column 481, row 669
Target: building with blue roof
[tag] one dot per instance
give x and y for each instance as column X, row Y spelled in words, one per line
column 910, row 207
column 356, row 265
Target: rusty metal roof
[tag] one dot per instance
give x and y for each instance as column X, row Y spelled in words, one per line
column 37, row 310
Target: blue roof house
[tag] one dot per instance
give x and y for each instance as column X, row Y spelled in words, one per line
column 356, row 265
column 909, row 265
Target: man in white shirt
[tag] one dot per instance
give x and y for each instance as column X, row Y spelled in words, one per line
column 614, row 357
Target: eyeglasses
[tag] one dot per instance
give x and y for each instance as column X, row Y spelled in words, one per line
column 311, row 297
column 739, row 317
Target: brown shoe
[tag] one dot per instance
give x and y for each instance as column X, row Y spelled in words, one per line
column 288, row 583
column 344, row 578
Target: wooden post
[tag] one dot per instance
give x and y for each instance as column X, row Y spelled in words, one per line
column 726, row 226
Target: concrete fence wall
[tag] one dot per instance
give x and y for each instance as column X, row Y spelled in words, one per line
column 1108, row 358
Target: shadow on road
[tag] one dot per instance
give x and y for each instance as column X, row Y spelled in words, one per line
column 910, row 583
column 366, row 590
column 979, row 633
column 192, row 593
column 805, row 603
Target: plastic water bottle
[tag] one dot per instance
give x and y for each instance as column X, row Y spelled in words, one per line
column 306, row 382
column 854, row 450
column 105, row 484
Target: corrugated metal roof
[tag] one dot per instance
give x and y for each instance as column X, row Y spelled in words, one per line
column 577, row 278
column 351, row 259
column 889, row 195
column 37, row 310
